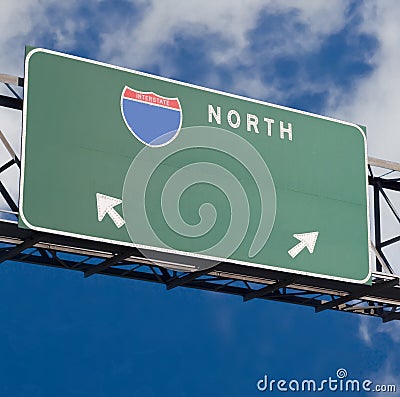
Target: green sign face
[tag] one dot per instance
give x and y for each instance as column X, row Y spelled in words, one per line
column 120, row 156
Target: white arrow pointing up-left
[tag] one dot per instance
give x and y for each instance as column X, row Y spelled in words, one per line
column 105, row 205
column 307, row 240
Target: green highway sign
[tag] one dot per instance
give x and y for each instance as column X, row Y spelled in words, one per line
column 120, row 156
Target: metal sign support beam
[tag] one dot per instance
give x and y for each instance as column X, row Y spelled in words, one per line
column 111, row 262
column 355, row 295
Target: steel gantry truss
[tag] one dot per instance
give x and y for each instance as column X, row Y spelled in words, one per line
column 380, row 299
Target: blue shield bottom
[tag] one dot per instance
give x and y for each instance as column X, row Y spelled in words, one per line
column 152, row 124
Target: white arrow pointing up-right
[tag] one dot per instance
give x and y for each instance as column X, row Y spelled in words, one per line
column 307, row 240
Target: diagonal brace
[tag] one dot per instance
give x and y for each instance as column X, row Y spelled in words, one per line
column 10, row 102
column 178, row 281
column 9, row 200
column 9, row 149
column 390, row 241
column 269, row 289
column 109, row 262
column 28, row 243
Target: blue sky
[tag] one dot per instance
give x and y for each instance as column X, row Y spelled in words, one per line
column 65, row 335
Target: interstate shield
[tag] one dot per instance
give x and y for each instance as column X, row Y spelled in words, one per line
column 153, row 119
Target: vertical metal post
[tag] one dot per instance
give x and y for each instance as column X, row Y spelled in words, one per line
column 377, row 220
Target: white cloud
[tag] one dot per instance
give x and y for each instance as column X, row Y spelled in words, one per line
column 226, row 26
column 26, row 22
column 369, row 331
column 22, row 23
column 372, row 335
column 375, row 101
column 364, row 331
column 392, row 330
